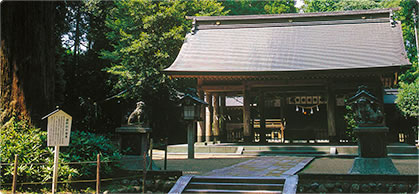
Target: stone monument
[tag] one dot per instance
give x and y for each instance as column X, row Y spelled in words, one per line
column 371, row 129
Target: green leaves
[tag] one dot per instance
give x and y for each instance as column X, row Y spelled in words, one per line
column 146, row 37
column 249, row 7
column 408, row 99
column 18, row 137
column 341, row 5
column 85, row 146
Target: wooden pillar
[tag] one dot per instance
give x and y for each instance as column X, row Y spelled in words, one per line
column 201, row 124
column 208, row 117
column 223, row 122
column 261, row 107
column 216, row 123
column 282, row 108
column 331, row 111
column 246, row 116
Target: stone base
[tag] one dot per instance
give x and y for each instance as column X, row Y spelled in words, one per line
column 136, row 163
column 207, row 143
column 133, row 129
column 373, row 166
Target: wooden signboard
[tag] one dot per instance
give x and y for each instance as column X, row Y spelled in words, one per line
column 59, row 128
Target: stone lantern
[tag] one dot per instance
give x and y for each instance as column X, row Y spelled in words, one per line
column 191, row 108
column 370, row 130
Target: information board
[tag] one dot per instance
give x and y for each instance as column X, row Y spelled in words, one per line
column 59, row 129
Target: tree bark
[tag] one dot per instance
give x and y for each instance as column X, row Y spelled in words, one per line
column 27, row 60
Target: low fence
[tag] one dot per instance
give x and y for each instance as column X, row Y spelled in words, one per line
column 145, row 174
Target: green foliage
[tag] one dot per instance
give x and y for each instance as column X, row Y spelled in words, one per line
column 85, row 146
column 146, row 37
column 350, row 123
column 18, row 137
column 249, row 7
column 405, row 15
column 81, row 87
column 339, row 5
column 408, row 99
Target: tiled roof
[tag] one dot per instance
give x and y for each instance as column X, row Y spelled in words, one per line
column 292, row 46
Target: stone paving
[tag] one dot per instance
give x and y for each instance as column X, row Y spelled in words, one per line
column 273, row 166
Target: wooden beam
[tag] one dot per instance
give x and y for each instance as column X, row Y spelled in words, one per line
column 216, row 124
column 331, row 111
column 201, row 124
column 261, row 107
column 282, row 109
column 199, row 83
column 289, row 83
column 223, row 123
column 208, row 117
column 246, row 116
column 222, row 88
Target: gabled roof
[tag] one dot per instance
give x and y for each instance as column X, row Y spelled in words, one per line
column 55, row 112
column 290, row 43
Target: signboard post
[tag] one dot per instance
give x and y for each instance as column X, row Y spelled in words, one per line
column 59, row 129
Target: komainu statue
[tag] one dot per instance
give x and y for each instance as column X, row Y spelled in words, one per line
column 137, row 117
column 367, row 108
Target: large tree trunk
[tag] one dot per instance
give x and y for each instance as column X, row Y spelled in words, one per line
column 27, row 60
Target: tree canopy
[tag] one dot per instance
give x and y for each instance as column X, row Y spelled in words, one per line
column 249, row 7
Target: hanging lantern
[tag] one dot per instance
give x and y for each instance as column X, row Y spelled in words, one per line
column 311, row 112
column 303, row 109
column 317, row 108
column 296, row 109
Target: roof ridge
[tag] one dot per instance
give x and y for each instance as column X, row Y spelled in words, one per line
column 291, row 15
column 290, row 24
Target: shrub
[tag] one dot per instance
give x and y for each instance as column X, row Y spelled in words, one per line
column 408, row 99
column 19, row 137
column 84, row 146
column 350, row 123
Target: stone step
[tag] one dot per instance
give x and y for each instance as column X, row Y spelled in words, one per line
column 286, row 149
column 211, row 184
column 226, row 184
column 235, row 186
column 218, row 179
column 227, row 191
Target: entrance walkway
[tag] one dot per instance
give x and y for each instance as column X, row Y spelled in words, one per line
column 259, row 175
column 271, row 166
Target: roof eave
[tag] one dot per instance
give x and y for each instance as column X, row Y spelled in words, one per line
column 393, row 68
column 291, row 15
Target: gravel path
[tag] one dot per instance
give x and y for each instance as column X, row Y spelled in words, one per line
column 342, row 166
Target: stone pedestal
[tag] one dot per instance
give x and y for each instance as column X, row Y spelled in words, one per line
column 371, row 141
column 373, row 166
column 135, row 137
column 372, row 150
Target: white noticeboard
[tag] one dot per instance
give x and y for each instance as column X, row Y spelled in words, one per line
column 59, row 128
